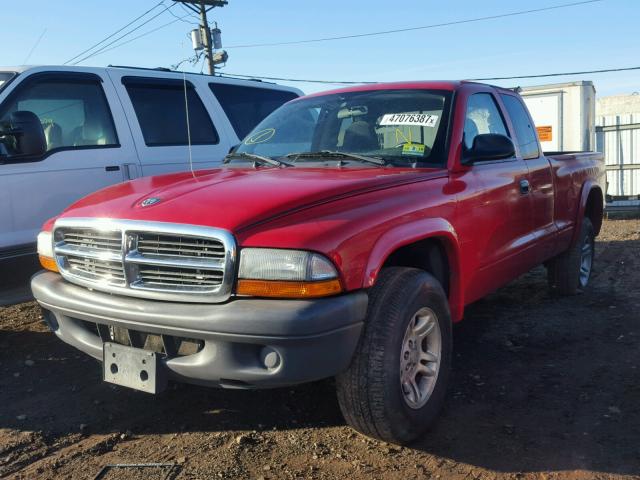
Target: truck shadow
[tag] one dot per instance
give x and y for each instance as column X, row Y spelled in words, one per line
column 540, row 384
column 545, row 383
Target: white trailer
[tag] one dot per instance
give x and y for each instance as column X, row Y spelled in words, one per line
column 564, row 114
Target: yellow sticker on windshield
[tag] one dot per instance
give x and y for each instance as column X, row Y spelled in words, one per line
column 413, row 149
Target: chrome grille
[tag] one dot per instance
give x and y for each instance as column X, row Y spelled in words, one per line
column 111, row 273
column 102, row 241
column 179, row 277
column 175, row 246
column 146, row 259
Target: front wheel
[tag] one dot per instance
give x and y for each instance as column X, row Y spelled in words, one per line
column 396, row 383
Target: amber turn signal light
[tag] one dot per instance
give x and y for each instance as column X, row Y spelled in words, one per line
column 48, row 263
column 288, row 289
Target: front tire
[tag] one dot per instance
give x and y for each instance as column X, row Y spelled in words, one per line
column 396, row 383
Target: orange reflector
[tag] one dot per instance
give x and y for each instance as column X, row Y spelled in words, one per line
column 48, row 263
column 282, row 289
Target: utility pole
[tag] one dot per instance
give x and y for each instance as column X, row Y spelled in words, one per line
column 207, row 39
column 201, row 7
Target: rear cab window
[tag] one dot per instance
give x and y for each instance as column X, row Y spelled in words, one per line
column 72, row 108
column 246, row 107
column 525, row 133
column 161, row 111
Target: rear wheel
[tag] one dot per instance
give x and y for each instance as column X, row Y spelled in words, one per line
column 395, row 385
column 570, row 272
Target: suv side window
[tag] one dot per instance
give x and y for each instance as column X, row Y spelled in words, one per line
column 73, row 112
column 162, row 113
column 246, row 107
column 483, row 116
column 525, row 133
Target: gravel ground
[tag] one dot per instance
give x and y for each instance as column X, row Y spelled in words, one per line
column 543, row 387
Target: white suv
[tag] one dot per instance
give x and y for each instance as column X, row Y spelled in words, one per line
column 68, row 131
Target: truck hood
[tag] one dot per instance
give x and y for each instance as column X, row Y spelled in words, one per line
column 237, row 198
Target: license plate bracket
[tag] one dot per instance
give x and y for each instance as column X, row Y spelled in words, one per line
column 133, row 367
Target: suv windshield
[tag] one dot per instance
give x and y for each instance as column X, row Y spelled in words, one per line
column 401, row 127
column 4, row 78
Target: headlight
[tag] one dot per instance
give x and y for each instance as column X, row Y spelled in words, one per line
column 292, row 265
column 45, row 251
column 268, row 272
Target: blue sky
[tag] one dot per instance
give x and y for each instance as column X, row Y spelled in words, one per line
column 585, row 37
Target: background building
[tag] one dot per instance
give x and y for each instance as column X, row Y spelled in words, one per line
column 618, row 136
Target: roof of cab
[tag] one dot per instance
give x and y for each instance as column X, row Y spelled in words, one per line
column 416, row 85
column 447, row 85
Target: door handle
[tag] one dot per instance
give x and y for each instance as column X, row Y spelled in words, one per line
column 112, row 168
column 129, row 171
column 525, row 187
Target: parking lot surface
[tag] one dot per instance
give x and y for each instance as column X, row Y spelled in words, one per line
column 543, row 387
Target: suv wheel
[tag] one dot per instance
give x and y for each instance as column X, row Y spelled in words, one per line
column 395, row 385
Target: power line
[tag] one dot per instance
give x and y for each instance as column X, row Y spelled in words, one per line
column 149, row 32
column 35, row 45
column 114, row 33
column 514, row 77
column 104, row 47
column 193, row 60
column 606, row 70
column 190, row 12
column 182, row 19
column 409, row 29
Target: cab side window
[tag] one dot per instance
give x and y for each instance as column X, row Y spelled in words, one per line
column 73, row 112
column 527, row 139
column 483, row 116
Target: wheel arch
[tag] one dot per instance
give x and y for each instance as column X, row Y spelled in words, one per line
column 591, row 206
column 429, row 244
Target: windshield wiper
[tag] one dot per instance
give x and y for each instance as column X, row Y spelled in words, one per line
column 259, row 159
column 332, row 154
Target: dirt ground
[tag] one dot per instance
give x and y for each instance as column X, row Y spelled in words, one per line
column 543, row 387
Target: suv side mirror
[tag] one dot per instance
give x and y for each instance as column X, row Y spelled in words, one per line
column 28, row 132
column 489, row 146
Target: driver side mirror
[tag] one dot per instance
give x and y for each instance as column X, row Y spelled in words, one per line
column 28, row 133
column 489, row 146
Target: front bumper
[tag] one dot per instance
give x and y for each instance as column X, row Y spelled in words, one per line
column 313, row 339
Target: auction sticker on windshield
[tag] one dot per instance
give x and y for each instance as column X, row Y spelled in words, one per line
column 413, row 119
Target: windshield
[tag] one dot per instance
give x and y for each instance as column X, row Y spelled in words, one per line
column 4, row 78
column 403, row 127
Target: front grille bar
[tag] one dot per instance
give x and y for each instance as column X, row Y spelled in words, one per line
column 67, row 249
column 188, row 263
column 210, row 264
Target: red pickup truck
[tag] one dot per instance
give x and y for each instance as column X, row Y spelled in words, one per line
column 342, row 238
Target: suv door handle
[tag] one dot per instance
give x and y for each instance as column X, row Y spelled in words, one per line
column 525, row 187
column 112, row 168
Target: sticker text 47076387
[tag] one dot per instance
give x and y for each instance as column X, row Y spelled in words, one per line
column 412, row 119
